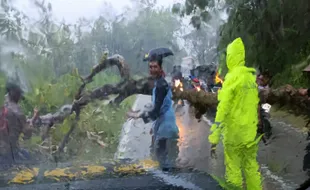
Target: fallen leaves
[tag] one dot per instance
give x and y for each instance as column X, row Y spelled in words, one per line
column 149, row 164
column 130, row 169
column 60, row 174
column 25, row 176
column 28, row 175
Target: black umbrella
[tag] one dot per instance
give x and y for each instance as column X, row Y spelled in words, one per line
column 157, row 53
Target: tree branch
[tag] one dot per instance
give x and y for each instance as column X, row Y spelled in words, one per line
column 201, row 101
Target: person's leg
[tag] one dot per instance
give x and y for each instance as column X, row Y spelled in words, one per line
column 153, row 148
column 233, row 173
column 161, row 152
column 251, row 168
column 173, row 152
column 6, row 162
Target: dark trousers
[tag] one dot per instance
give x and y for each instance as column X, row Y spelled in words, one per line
column 165, row 151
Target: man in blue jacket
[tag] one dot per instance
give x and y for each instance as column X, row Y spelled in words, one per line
column 165, row 131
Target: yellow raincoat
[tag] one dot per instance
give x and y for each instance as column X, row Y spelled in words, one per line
column 236, row 120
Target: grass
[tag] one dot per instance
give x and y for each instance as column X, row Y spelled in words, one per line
column 276, row 167
column 289, row 118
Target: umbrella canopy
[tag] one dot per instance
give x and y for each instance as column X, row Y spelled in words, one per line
column 157, row 53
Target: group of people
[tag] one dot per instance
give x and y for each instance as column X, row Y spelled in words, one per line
column 236, row 119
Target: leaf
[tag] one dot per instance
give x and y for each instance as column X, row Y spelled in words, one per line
column 41, row 99
column 37, row 91
column 25, row 176
column 66, row 92
column 105, row 118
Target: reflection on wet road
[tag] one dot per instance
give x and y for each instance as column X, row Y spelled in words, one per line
column 194, row 146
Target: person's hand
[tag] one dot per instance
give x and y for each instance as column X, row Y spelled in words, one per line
column 133, row 114
column 35, row 112
column 303, row 91
column 151, row 131
column 213, row 151
column 291, row 90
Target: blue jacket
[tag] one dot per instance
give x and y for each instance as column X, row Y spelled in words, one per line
column 163, row 113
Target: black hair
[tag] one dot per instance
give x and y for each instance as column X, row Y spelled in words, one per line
column 266, row 73
column 10, row 87
column 14, row 91
column 158, row 59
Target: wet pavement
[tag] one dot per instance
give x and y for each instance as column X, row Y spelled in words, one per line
column 155, row 181
column 282, row 160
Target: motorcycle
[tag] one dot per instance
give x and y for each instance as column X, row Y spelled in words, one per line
column 197, row 84
column 178, row 83
column 266, row 127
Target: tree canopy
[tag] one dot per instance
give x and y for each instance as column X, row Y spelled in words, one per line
column 275, row 33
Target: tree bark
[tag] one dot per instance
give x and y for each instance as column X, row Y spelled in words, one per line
column 285, row 96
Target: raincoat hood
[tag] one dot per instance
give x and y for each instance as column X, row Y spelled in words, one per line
column 235, row 54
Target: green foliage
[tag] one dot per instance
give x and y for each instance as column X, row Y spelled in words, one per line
column 51, row 95
column 194, row 8
column 275, row 34
column 2, row 86
column 103, row 120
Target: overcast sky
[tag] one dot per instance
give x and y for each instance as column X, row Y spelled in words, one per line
column 71, row 10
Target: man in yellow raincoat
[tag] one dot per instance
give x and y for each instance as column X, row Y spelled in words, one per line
column 236, row 120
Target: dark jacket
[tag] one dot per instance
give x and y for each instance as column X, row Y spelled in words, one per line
column 162, row 88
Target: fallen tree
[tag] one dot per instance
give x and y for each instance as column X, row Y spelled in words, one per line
column 285, row 96
column 201, row 101
column 125, row 88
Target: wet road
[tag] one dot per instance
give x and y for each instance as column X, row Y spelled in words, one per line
column 281, row 160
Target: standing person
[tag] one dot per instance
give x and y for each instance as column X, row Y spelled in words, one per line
column 13, row 123
column 264, row 126
column 165, row 131
column 236, row 119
